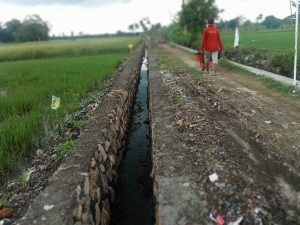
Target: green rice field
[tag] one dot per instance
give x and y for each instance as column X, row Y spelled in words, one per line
column 270, row 40
column 31, row 73
column 79, row 47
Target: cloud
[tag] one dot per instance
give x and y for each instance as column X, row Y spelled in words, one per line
column 63, row 2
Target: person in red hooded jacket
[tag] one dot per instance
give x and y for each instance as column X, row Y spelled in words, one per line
column 211, row 45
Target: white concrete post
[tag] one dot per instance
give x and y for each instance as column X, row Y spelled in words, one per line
column 296, row 42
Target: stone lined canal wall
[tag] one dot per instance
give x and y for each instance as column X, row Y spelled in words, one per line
column 82, row 190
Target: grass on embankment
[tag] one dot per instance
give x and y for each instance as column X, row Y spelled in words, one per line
column 269, row 83
column 26, row 88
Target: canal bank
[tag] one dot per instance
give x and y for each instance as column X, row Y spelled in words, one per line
column 178, row 199
column 83, row 188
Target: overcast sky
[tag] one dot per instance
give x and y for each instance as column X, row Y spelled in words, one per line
column 109, row 16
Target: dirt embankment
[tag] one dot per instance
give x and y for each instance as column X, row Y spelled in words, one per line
column 230, row 127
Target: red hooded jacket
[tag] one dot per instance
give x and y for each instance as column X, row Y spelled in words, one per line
column 211, row 39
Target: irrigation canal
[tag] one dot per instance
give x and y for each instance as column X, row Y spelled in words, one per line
column 134, row 201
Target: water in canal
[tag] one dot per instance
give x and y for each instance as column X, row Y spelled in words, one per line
column 134, row 203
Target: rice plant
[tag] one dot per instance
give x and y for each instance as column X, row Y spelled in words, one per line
column 26, row 88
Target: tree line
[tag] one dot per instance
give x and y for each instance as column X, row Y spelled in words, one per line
column 269, row 22
column 32, row 28
column 189, row 23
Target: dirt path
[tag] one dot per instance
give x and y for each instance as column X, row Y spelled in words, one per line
column 231, row 126
column 266, row 112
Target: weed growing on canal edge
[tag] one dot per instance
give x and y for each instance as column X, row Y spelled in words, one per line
column 27, row 87
column 4, row 200
column 23, row 178
column 62, row 150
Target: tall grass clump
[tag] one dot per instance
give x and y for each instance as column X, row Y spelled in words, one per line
column 26, row 88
